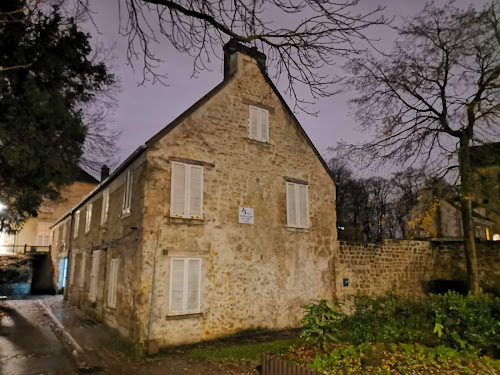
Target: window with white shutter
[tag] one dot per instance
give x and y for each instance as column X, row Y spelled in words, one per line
column 43, row 234
column 72, row 269
column 185, row 281
column 297, row 205
column 94, row 275
column 127, row 193
column 88, row 218
column 105, row 206
column 76, row 224
column 258, row 124
column 63, row 234
column 186, row 195
column 112, row 282
column 83, row 265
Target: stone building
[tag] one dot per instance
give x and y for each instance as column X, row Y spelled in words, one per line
column 224, row 221
column 35, row 233
column 441, row 219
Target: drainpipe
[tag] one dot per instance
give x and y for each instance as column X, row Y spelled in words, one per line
column 152, row 299
column 153, row 280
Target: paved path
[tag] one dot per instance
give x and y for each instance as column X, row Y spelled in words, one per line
column 27, row 343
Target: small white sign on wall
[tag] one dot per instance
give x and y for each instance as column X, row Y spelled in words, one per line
column 246, row 215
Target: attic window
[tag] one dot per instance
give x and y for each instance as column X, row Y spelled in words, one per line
column 258, row 124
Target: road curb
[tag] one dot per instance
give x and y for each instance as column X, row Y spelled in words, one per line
column 81, row 359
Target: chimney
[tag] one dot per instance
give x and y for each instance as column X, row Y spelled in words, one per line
column 231, row 61
column 104, row 172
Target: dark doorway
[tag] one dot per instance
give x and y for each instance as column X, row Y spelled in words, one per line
column 41, row 283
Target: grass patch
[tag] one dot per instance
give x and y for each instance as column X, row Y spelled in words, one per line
column 250, row 353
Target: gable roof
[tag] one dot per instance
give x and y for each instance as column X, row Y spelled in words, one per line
column 260, row 57
column 233, row 46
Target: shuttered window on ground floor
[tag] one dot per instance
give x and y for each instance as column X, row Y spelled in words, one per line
column 112, row 282
column 185, row 279
column 94, row 275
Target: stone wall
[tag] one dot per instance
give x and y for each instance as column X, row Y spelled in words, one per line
column 407, row 267
column 449, row 262
column 119, row 237
column 375, row 268
column 16, row 272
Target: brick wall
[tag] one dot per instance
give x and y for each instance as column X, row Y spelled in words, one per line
column 406, row 267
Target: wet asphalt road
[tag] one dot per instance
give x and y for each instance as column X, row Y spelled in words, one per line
column 27, row 343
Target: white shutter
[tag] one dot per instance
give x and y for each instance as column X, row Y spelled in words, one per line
column 177, row 286
column 94, row 275
column 112, row 282
column 264, row 125
column 178, row 190
column 193, row 285
column 291, row 205
column 72, row 270
column 82, row 268
column 127, row 193
column 88, row 218
column 253, row 122
column 105, row 206
column 303, row 205
column 195, row 197
column 77, row 224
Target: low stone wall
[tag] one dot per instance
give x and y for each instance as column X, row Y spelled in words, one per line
column 376, row 268
column 449, row 262
column 407, row 267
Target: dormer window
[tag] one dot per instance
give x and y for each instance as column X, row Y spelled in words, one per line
column 258, row 124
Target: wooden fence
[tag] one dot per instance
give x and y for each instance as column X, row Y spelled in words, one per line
column 276, row 366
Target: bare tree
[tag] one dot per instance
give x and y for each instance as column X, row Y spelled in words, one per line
column 433, row 96
column 300, row 38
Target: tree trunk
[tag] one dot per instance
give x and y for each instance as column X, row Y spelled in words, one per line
column 466, row 210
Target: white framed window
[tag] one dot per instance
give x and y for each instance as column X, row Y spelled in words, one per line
column 63, row 237
column 88, row 217
column 76, row 224
column 43, row 234
column 185, row 285
column 297, row 205
column 83, row 265
column 94, row 275
column 258, row 124
column 112, row 282
column 186, row 195
column 127, row 193
column 72, row 269
column 105, row 206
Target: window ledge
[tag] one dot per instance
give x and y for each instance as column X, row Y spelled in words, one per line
column 109, row 309
column 124, row 215
column 257, row 142
column 184, row 316
column 180, row 220
column 292, row 229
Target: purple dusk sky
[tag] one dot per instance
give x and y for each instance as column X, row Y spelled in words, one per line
column 144, row 110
